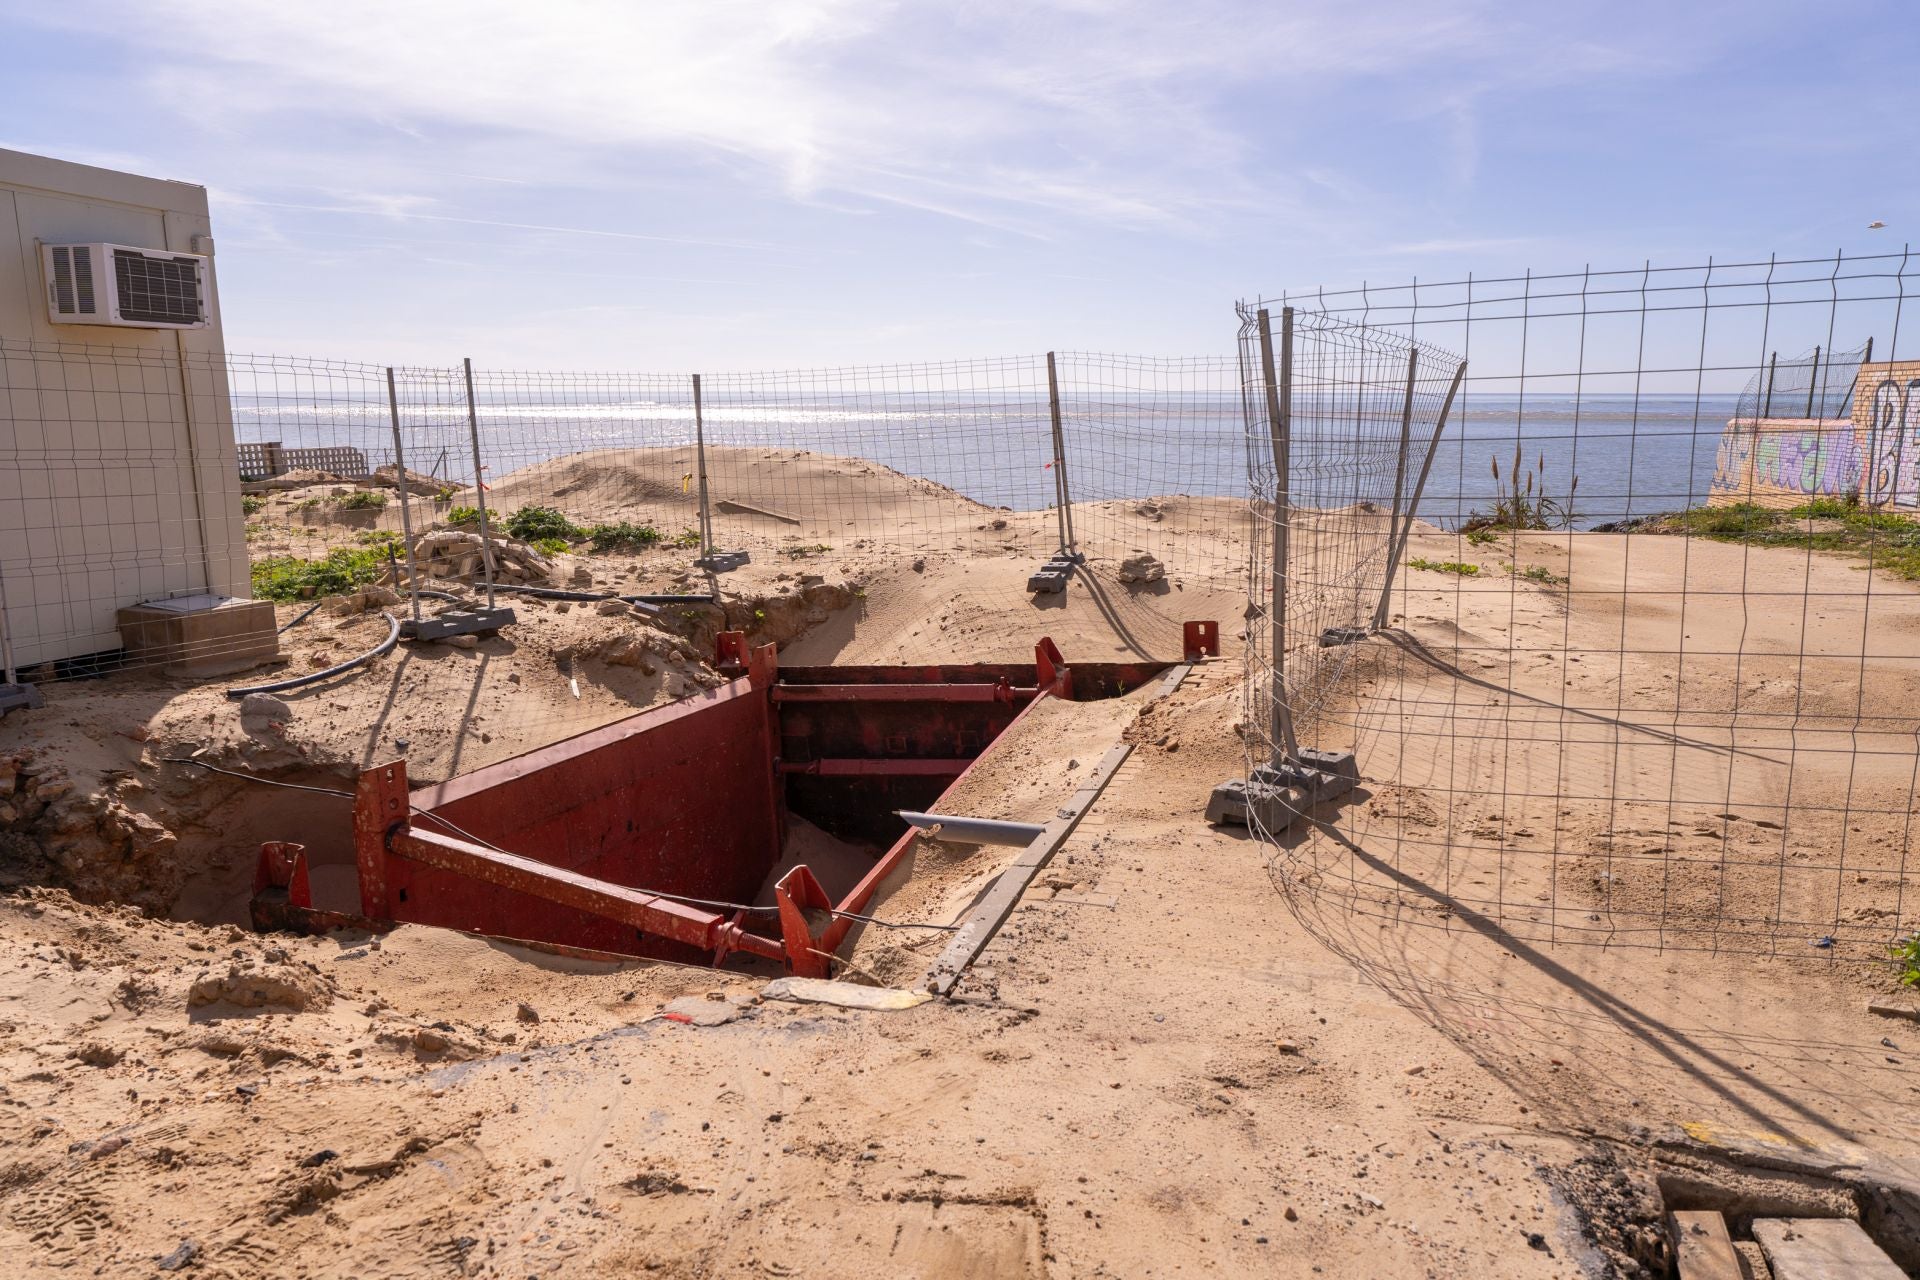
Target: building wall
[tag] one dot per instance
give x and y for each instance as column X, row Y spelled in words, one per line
column 118, row 480
column 1872, row 456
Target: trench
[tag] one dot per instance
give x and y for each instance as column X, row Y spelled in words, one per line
column 710, row 800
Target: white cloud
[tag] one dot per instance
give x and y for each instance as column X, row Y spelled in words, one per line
column 1000, row 111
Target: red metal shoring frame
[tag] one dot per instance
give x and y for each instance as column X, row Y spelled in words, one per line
column 1055, row 679
column 1200, row 640
column 810, row 934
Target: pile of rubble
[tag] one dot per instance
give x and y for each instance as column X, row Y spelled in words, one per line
column 452, row 553
column 91, row 842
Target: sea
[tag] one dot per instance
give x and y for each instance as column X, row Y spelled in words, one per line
column 1602, row 458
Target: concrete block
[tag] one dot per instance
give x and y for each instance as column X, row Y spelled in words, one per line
column 199, row 635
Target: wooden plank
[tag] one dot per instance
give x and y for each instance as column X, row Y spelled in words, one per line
column 1822, row 1249
column 1703, row 1248
column 1894, row 1009
column 737, row 508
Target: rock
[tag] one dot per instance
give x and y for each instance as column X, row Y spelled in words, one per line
column 264, row 706
column 286, row 986
column 463, row 642
column 613, row 609
column 527, row 1013
column 1287, row 1046
column 186, row 1253
column 582, row 576
column 919, row 566
column 95, row 1054
column 105, row 1147
column 1142, row 568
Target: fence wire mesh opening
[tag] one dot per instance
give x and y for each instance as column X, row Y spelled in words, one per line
column 1649, row 671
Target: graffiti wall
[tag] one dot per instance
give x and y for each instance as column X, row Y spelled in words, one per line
column 1875, row 454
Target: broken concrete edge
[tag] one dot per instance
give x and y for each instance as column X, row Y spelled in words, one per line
column 844, row 995
column 1885, row 1188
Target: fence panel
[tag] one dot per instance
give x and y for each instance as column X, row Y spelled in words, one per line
column 1618, row 699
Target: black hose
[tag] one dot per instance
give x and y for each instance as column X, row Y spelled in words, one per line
column 304, row 615
column 385, row 646
column 549, row 593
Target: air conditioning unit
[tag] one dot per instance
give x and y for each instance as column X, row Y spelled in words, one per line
column 119, row 285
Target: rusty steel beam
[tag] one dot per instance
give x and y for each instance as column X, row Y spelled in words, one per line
column 647, row 912
column 978, row 691
column 885, row 767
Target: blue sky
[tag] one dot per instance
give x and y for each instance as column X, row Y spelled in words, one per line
column 818, row 182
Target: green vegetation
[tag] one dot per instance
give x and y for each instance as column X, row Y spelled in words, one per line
column 446, row 493
column 1544, row 576
column 1906, row 953
column 464, row 515
column 284, row 578
column 306, row 504
column 800, row 553
column 1525, row 503
column 364, row 500
column 1444, row 566
column 250, row 503
column 552, row 546
column 530, row 524
column 1483, row 536
column 623, row 535
column 380, row 538
column 1886, row 541
column 688, row 538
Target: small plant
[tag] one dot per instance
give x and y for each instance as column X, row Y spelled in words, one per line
column 1483, row 536
column 251, row 503
column 622, row 535
column 1544, row 576
column 364, row 500
column 800, row 553
column 446, row 493
column 552, row 546
column 530, row 524
column 1444, row 566
column 381, row 538
column 1906, row 953
column 464, row 515
column 686, row 538
column 1525, row 503
column 306, row 504
column 284, row 578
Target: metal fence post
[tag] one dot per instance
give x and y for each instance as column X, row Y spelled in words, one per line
column 706, row 508
column 406, row 508
column 1773, row 367
column 1063, row 497
column 1813, row 381
column 7, row 675
column 479, row 482
column 1279, row 391
column 1420, row 485
column 1399, row 485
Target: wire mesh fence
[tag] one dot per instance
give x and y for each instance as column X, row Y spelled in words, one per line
column 291, row 479
column 1647, row 672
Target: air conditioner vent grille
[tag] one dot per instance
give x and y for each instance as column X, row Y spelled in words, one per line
column 73, row 280
column 157, row 290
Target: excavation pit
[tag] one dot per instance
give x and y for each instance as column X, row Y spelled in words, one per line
column 655, row 836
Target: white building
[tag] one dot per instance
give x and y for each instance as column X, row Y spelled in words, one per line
column 118, row 476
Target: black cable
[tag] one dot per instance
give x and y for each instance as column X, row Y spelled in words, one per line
column 715, row 903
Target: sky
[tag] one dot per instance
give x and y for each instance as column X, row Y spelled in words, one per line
column 724, row 185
